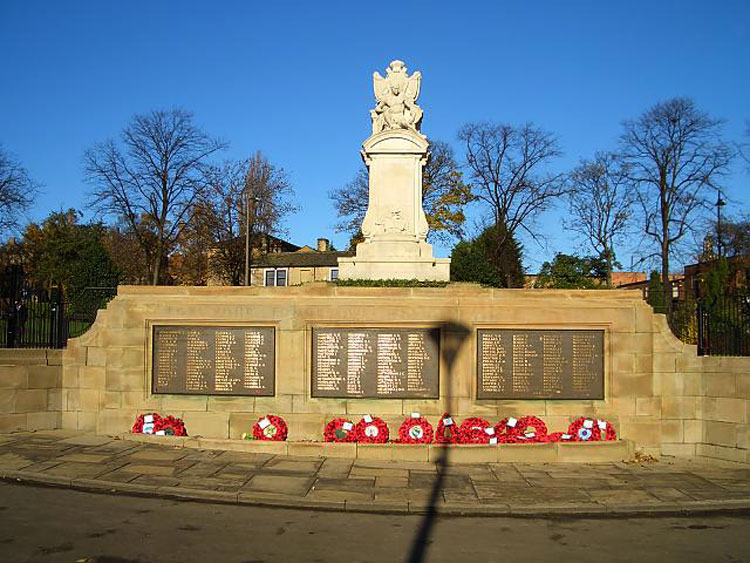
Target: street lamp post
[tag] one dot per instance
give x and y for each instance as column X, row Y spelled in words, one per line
column 719, row 204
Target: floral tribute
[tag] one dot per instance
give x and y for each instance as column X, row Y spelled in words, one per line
column 152, row 423
column 476, row 430
column 506, row 430
column 270, row 428
column 560, row 437
column 340, row 430
column 530, row 429
column 589, row 430
column 144, row 423
column 371, row 430
column 447, row 431
column 415, row 430
column 170, row 426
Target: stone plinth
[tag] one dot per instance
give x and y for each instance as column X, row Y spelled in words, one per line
column 395, row 227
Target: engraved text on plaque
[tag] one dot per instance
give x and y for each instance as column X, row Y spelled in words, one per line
column 213, row 360
column 394, row 363
column 540, row 364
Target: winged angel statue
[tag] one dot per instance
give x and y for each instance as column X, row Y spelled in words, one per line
column 396, row 96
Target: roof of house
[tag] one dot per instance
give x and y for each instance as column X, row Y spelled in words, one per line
column 623, row 278
column 301, row 259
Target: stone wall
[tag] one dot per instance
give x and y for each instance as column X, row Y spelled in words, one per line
column 658, row 393
column 725, row 409
column 30, row 389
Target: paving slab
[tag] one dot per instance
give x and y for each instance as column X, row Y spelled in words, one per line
column 14, row 461
column 280, row 484
column 182, row 471
column 87, row 440
column 85, row 458
column 158, row 454
column 148, row 469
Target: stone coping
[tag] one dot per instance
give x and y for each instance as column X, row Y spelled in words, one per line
column 329, row 289
column 107, row 464
column 458, row 454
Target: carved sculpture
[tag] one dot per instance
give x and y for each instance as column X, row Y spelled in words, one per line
column 395, row 226
column 396, row 96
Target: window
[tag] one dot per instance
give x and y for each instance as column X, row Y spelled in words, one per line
column 334, row 274
column 275, row 277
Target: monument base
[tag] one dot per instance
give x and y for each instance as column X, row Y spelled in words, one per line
column 428, row 269
column 394, row 257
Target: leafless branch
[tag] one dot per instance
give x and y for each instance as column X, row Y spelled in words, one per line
column 152, row 179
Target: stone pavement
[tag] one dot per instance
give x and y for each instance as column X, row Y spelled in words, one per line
column 110, row 464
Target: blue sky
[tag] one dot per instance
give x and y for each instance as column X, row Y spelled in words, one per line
column 293, row 79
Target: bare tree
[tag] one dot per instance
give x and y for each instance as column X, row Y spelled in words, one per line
column 507, row 171
column 221, row 217
column 17, row 191
column 743, row 147
column 152, row 179
column 601, row 203
column 351, row 202
column 675, row 155
column 444, row 196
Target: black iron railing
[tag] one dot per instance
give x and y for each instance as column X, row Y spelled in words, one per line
column 724, row 326
column 44, row 318
column 719, row 326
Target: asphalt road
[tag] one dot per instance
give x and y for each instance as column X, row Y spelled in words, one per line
column 50, row 525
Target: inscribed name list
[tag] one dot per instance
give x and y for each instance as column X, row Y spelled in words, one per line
column 375, row 362
column 540, row 364
column 213, row 360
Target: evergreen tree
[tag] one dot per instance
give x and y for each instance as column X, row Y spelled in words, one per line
column 656, row 296
column 488, row 261
column 573, row 272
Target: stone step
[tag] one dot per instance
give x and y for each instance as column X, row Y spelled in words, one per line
column 565, row 452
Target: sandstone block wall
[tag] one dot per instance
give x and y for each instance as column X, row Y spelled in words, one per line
column 658, row 392
column 30, row 389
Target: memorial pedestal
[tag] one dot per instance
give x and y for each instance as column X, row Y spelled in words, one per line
column 395, row 227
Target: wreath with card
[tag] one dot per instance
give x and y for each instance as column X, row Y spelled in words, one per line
column 170, row 426
column 586, row 429
column 145, row 423
column 448, row 432
column 270, row 428
column 152, row 423
column 372, row 430
column 476, row 430
column 415, row 430
column 530, row 429
column 340, row 430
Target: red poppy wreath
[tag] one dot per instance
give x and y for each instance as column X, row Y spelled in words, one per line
column 589, row 430
column 270, row 428
column 476, row 430
column 559, row 437
column 340, row 430
column 531, row 429
column 448, row 432
column 507, row 430
column 415, row 430
column 145, row 423
column 372, row 430
column 170, row 426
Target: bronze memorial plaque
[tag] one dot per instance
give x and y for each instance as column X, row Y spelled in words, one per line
column 383, row 363
column 213, row 360
column 540, row 364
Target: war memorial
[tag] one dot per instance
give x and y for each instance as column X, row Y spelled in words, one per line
column 224, row 359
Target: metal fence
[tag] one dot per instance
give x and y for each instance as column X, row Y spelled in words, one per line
column 719, row 326
column 42, row 318
column 724, row 326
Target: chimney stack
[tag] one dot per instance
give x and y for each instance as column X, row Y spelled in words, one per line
column 324, row 245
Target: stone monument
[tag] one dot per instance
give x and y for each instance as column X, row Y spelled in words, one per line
column 395, row 227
